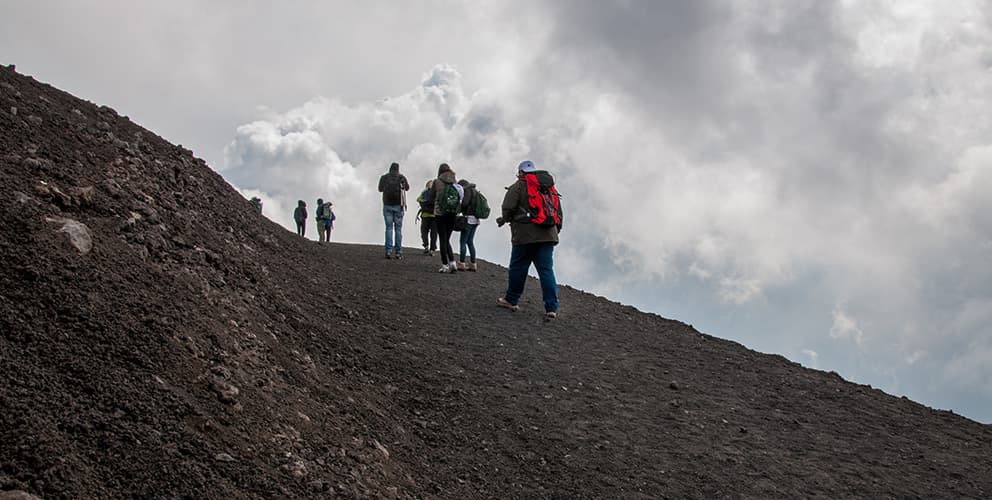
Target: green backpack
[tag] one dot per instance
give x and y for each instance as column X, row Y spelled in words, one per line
column 449, row 202
column 481, row 205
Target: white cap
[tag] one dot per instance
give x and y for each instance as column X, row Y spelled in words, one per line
column 526, row 166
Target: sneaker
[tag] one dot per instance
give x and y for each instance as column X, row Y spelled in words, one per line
column 389, row 256
column 444, row 269
column 432, row 253
column 501, row 302
column 398, row 256
column 550, row 315
column 428, row 252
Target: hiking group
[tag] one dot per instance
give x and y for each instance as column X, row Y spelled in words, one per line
column 532, row 207
column 324, row 215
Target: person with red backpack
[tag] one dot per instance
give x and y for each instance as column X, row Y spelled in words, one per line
column 532, row 207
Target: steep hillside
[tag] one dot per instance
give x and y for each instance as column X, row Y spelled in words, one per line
column 158, row 338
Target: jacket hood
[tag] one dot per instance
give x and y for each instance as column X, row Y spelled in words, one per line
column 447, row 177
column 394, row 168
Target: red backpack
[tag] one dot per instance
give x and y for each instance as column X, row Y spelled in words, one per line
column 543, row 198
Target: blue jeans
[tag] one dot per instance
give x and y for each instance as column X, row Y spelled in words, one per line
column 542, row 256
column 393, row 215
column 467, row 239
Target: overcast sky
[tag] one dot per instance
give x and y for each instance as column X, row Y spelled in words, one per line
column 807, row 177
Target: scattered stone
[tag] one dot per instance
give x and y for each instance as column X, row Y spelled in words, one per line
column 674, row 386
column 297, row 468
column 17, row 495
column 223, row 457
column 226, row 392
column 381, row 448
column 319, row 485
column 82, row 196
column 34, row 120
column 79, row 235
column 13, row 110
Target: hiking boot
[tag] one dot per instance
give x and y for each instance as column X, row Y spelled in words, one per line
column 398, row 256
column 389, row 256
column 474, row 267
column 462, row 266
column 428, row 252
column 501, row 302
column 432, row 253
column 550, row 315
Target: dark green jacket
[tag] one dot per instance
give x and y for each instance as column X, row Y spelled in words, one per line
column 514, row 209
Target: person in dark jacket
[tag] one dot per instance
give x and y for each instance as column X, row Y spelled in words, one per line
column 467, row 238
column 532, row 244
column 393, row 186
column 428, row 229
column 445, row 222
column 300, row 216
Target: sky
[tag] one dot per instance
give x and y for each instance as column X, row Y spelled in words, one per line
column 809, row 178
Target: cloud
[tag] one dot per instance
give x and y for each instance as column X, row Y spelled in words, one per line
column 338, row 150
column 846, row 327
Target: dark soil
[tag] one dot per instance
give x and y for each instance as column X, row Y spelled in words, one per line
column 200, row 350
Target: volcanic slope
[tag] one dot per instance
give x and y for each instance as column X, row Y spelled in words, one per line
column 158, row 338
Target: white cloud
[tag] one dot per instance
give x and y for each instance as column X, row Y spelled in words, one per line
column 845, row 327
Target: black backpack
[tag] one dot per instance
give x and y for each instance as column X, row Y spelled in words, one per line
column 392, row 185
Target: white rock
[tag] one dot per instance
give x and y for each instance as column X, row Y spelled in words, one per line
column 79, row 235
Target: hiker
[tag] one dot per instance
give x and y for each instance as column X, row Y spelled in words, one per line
column 467, row 238
column 393, row 185
column 448, row 196
column 300, row 216
column 324, row 218
column 426, row 216
column 534, row 234
column 257, row 203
